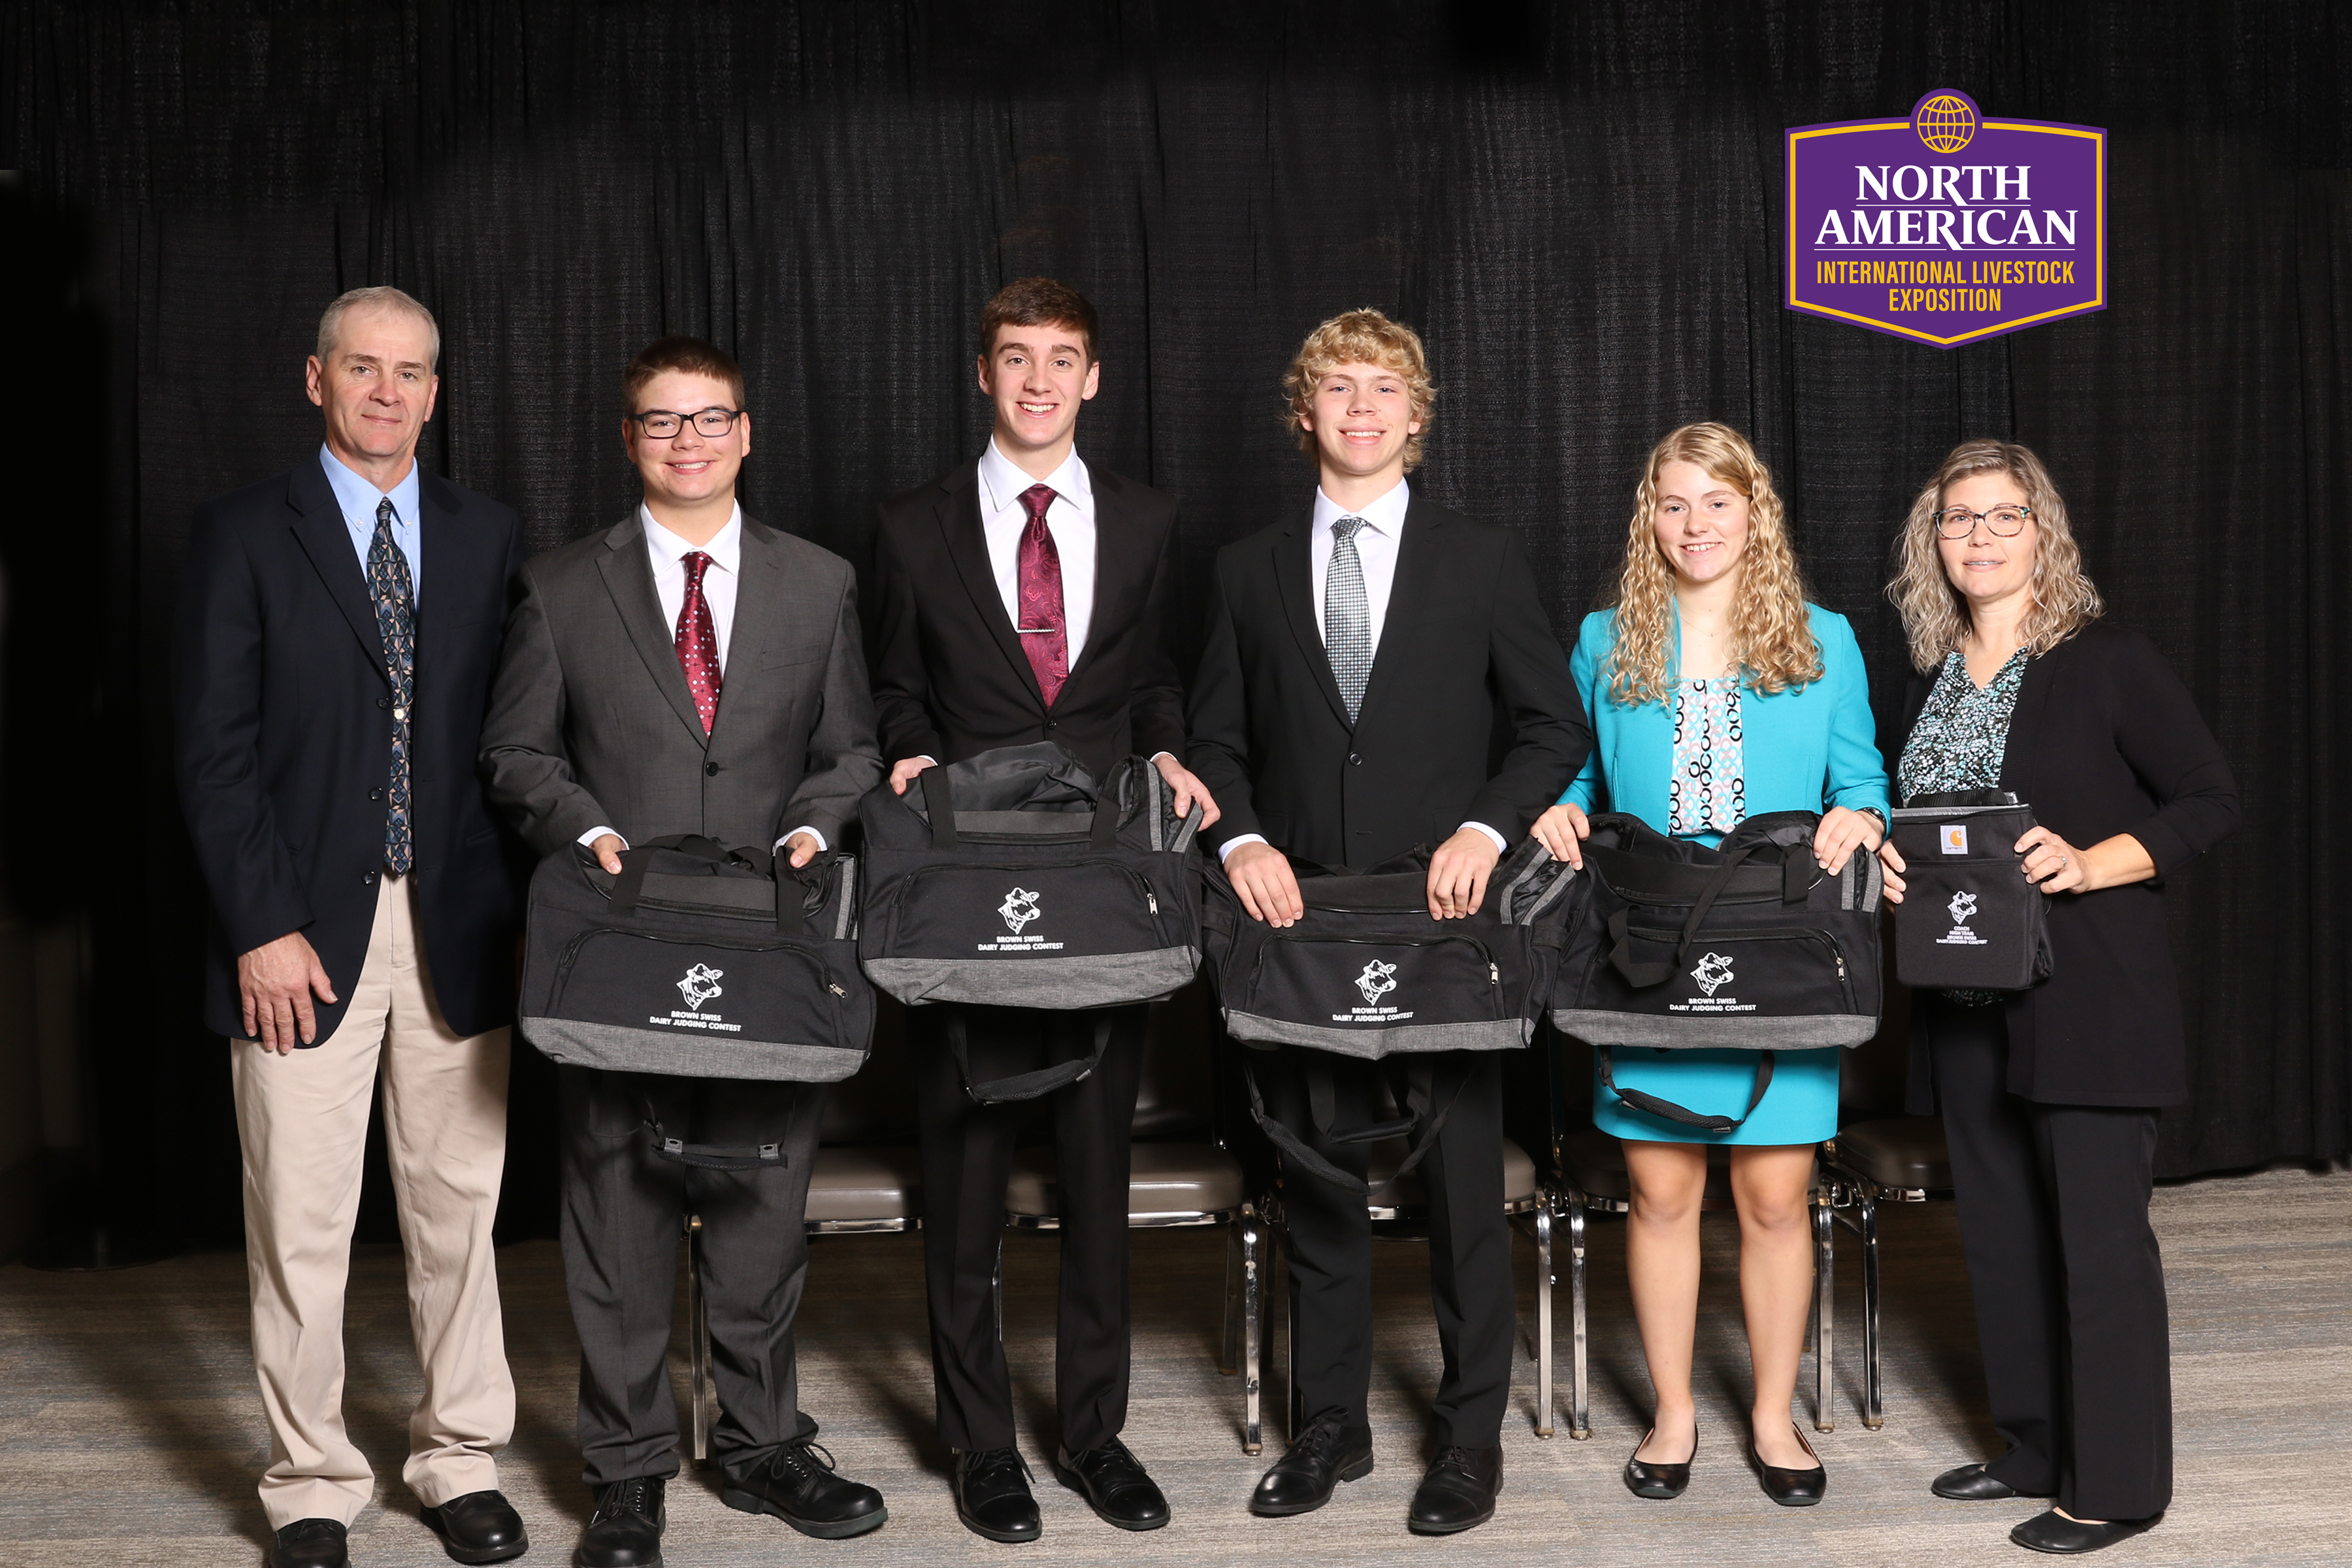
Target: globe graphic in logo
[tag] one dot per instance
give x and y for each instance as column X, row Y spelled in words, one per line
column 1946, row 124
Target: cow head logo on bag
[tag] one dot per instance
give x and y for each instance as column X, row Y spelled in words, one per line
column 1962, row 907
column 1713, row 973
column 1376, row 981
column 1019, row 908
column 701, row 985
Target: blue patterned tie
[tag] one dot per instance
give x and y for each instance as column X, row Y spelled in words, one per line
column 396, row 622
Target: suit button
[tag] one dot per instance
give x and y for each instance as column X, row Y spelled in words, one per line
column 1053, row 723
column 710, row 769
column 1355, row 761
column 369, row 878
column 383, row 702
column 375, row 794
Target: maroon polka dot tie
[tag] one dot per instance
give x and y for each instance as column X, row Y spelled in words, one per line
column 697, row 644
column 1044, row 633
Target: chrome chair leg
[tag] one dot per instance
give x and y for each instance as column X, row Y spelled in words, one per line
column 697, row 1337
column 1227, row 1336
column 1543, row 1313
column 1252, row 1329
column 1866, row 1200
column 1825, row 1310
column 1580, row 1410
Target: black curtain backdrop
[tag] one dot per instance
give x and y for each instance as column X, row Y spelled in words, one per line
column 1580, row 206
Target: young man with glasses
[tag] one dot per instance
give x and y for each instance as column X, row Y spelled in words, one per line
column 687, row 670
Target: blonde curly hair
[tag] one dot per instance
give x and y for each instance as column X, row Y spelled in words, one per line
column 1936, row 615
column 1359, row 337
column 1772, row 643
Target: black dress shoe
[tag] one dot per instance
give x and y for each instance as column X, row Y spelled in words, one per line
column 1328, row 1452
column 1972, row 1483
column 1457, row 1492
column 796, row 1484
column 479, row 1527
column 310, row 1544
column 1790, row 1488
column 993, row 1498
column 1658, row 1482
column 2054, row 1531
column 625, row 1530
column 1114, row 1485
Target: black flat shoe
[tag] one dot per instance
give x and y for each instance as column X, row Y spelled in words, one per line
column 310, row 1544
column 479, row 1527
column 993, row 1497
column 796, row 1484
column 1457, row 1492
column 2054, row 1531
column 1114, row 1484
column 1790, row 1488
column 625, row 1530
column 1660, row 1483
column 1327, row 1453
column 1972, row 1483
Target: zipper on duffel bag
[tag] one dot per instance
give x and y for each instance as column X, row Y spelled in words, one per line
column 1485, row 956
column 1670, row 939
column 570, row 954
column 1135, row 879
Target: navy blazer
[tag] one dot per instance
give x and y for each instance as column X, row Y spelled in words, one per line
column 284, row 740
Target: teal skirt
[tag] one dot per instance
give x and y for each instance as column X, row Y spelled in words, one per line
column 1802, row 1106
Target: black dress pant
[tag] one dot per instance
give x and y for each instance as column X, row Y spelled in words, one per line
column 967, row 1159
column 623, row 1210
column 1330, row 1240
column 2068, row 1283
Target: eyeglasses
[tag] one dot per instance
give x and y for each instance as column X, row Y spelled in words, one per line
column 662, row 425
column 2004, row 522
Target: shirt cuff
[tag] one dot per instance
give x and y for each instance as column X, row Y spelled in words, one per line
column 1169, row 755
column 821, row 845
column 1225, row 851
column 594, row 834
column 1500, row 847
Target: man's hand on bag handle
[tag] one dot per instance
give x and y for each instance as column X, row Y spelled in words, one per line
column 608, row 849
column 1562, row 830
column 1187, row 789
column 906, row 771
column 274, row 984
column 1261, row 874
column 804, row 848
column 1458, row 872
column 1891, row 863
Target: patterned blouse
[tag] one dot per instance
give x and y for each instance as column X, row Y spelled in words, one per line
column 1958, row 743
column 1708, row 793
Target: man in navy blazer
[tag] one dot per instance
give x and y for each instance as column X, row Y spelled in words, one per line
column 338, row 631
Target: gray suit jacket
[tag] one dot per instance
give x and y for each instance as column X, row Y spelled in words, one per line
column 591, row 723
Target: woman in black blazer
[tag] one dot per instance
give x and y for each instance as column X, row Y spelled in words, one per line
column 2048, row 1096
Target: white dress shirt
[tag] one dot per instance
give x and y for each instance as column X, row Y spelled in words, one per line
column 667, row 552
column 1377, row 544
column 1070, row 520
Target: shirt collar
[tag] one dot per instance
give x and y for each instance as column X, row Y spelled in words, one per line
column 725, row 548
column 1385, row 513
column 358, row 495
column 1004, row 480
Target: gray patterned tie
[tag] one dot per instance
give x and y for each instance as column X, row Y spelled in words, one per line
column 1348, row 617
column 396, row 622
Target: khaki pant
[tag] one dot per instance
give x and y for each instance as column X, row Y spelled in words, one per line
column 302, row 1119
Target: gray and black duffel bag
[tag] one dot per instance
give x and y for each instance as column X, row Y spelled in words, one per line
column 1367, row 973
column 1013, row 879
column 1969, row 920
column 697, row 961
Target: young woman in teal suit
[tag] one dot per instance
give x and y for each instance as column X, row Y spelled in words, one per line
column 1717, row 693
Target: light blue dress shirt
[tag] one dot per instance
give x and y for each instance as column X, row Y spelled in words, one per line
column 359, row 499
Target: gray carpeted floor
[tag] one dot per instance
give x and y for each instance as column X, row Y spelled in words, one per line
column 130, row 1433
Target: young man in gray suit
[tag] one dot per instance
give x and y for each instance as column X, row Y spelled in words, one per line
column 686, row 670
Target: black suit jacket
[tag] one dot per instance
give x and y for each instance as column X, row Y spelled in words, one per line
column 284, row 740
column 949, row 677
column 1469, row 713
column 2104, row 740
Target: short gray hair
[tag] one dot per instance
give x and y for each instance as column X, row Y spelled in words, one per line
column 382, row 295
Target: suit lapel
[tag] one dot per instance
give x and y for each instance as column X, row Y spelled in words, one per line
column 958, row 513
column 629, row 578
column 1116, row 563
column 319, row 529
column 1294, row 577
column 2025, row 721
column 1421, row 553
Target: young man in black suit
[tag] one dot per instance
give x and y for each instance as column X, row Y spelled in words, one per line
column 1362, row 660
column 338, row 634
column 1025, row 597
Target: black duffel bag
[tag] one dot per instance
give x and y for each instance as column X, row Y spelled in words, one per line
column 1750, row 944
column 1366, row 973
column 1012, row 879
column 698, row 959
column 1969, row 920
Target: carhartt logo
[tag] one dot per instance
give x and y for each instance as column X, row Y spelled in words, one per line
column 1376, row 981
column 1019, row 908
column 1714, row 971
column 1962, row 906
column 701, row 985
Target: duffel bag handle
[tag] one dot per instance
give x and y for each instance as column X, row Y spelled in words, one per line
column 1799, row 877
column 708, row 1157
column 630, row 885
column 939, row 799
column 1683, row 1113
column 1421, row 1111
column 1022, row 1085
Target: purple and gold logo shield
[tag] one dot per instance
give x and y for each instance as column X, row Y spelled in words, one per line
column 1948, row 227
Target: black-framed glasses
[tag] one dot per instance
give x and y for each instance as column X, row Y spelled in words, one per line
column 2004, row 522
column 661, row 423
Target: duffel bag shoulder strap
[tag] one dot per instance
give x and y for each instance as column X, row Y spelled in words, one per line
column 1022, row 1085
column 629, row 887
column 709, row 1156
column 939, row 799
column 1683, row 1113
column 1422, row 1113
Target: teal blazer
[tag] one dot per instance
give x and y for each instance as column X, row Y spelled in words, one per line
column 1804, row 749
